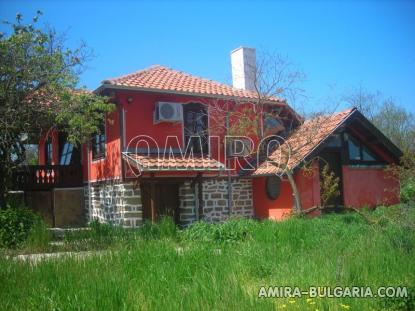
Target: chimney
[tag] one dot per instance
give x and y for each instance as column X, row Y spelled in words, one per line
column 243, row 61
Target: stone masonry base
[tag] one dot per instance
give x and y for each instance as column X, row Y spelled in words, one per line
column 120, row 203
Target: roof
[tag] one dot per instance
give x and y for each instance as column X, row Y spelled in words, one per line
column 306, row 138
column 160, row 78
column 153, row 162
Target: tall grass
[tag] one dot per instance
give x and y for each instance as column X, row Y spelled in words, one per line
column 223, row 266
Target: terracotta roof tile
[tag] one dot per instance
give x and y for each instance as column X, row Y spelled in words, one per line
column 166, row 79
column 302, row 142
column 150, row 163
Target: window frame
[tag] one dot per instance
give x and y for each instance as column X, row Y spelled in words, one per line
column 362, row 147
column 99, row 141
column 193, row 107
column 48, row 151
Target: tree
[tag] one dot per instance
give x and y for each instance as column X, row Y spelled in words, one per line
column 38, row 75
column 276, row 79
column 365, row 101
column 394, row 121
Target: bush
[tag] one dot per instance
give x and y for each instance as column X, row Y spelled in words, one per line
column 408, row 191
column 16, row 225
column 404, row 303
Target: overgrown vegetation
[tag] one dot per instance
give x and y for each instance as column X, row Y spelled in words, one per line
column 16, row 225
column 223, row 266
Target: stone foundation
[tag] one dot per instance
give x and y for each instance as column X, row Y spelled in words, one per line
column 187, row 209
column 120, row 203
column 215, row 199
column 115, row 203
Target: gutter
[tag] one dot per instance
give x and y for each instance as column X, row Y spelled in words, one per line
column 152, row 90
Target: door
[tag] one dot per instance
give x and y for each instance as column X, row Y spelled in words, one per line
column 333, row 160
column 165, row 200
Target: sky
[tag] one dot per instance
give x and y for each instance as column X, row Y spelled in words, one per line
column 339, row 45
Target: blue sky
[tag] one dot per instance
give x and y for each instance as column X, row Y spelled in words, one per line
column 340, row 45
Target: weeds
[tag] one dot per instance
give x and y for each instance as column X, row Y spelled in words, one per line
column 222, row 266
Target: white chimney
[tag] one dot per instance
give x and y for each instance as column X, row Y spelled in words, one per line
column 243, row 61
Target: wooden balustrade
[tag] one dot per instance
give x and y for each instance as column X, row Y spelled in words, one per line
column 44, row 177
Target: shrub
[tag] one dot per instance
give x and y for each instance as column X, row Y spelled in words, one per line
column 403, row 303
column 408, row 191
column 16, row 225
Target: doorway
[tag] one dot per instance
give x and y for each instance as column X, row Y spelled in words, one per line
column 333, row 160
column 160, row 200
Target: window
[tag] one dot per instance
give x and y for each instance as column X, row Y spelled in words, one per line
column 48, row 151
column 334, row 141
column 98, row 144
column 66, row 154
column 195, row 128
column 359, row 152
column 273, row 187
column 354, row 150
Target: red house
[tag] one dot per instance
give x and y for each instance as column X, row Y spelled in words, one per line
column 163, row 151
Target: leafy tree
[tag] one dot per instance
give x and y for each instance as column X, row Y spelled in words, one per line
column 38, row 76
column 394, row 121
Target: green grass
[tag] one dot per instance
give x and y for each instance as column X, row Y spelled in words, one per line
column 222, row 267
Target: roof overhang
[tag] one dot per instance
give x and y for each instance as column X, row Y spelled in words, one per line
column 281, row 103
column 172, row 163
column 341, row 126
column 107, row 86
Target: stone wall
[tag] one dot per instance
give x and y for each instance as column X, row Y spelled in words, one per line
column 187, row 209
column 215, row 199
column 115, row 203
column 242, row 202
column 120, row 203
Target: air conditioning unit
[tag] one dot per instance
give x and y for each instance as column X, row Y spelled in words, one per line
column 168, row 112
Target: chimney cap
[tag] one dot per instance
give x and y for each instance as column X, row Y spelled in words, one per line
column 242, row 48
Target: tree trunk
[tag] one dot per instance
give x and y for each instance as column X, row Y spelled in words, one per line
column 296, row 194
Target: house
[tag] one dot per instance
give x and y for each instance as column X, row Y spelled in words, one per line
column 165, row 151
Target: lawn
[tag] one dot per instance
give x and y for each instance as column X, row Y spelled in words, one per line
column 222, row 266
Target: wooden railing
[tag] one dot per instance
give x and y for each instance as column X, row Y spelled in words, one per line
column 44, row 177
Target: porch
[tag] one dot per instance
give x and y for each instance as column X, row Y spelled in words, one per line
column 55, row 192
column 47, row 177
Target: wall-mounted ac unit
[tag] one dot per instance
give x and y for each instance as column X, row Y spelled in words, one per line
column 168, row 112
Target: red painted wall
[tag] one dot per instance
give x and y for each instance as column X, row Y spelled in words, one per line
column 369, row 187
column 110, row 166
column 308, row 186
column 138, row 120
column 138, row 111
